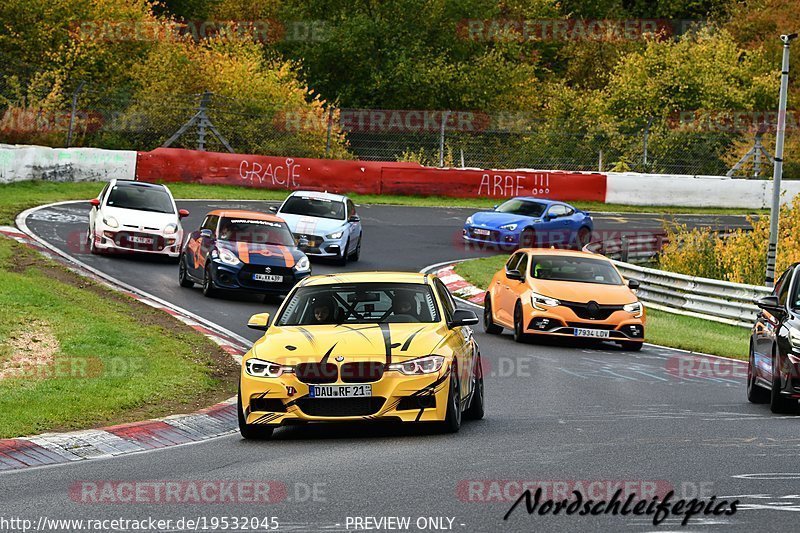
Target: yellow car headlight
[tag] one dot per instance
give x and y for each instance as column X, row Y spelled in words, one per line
column 266, row 369
column 421, row 365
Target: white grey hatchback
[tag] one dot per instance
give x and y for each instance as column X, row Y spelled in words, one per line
column 324, row 224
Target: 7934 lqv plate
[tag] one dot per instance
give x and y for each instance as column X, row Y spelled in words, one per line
column 595, row 333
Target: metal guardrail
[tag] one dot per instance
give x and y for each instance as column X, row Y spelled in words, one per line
column 630, row 248
column 710, row 299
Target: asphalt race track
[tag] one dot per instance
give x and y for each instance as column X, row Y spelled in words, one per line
column 555, row 414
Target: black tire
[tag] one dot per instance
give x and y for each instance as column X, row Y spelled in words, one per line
column 208, row 283
column 631, row 346
column 452, row 421
column 755, row 394
column 356, row 255
column 251, row 431
column 583, row 237
column 778, row 403
column 527, row 239
column 475, row 410
column 183, row 277
column 488, row 320
column 519, row 332
column 342, row 259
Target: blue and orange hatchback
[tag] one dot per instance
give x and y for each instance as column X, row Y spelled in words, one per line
column 242, row 251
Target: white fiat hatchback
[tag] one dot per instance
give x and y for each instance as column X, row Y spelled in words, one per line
column 135, row 217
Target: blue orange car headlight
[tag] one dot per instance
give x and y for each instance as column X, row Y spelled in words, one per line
column 421, row 365
column 303, row 265
column 226, row 256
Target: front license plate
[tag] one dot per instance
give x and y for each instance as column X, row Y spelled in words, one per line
column 340, row 391
column 479, row 231
column 272, row 278
column 142, row 240
column 596, row 333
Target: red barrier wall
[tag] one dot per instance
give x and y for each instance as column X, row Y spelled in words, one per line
column 365, row 177
column 554, row 185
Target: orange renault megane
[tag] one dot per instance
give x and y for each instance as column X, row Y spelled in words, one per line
column 566, row 294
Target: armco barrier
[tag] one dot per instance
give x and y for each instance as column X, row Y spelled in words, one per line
column 18, row 163
column 721, row 301
column 711, row 299
column 365, row 177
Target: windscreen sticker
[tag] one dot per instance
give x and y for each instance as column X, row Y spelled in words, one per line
column 261, row 222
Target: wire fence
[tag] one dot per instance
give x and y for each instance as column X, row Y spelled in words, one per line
column 98, row 117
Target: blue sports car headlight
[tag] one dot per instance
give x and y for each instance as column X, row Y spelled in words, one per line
column 469, row 220
column 509, row 227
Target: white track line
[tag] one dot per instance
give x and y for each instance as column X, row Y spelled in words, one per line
column 21, row 222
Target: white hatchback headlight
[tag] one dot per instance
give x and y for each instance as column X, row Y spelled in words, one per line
column 265, row 369
column 421, row 365
column 111, row 222
column 304, row 265
column 170, row 229
column 541, row 302
column 635, row 309
column 228, row 257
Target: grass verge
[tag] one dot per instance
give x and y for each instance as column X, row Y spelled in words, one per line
column 74, row 354
column 666, row 329
column 16, row 197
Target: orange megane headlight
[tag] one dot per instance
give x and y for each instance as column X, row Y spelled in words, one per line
column 542, row 302
column 635, row 309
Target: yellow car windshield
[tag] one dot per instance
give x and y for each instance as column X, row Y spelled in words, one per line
column 360, row 303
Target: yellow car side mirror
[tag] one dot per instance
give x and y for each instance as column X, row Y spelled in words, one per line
column 259, row 321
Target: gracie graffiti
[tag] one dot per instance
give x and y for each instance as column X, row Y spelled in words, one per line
column 286, row 175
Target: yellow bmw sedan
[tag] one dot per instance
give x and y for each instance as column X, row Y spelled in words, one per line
column 362, row 346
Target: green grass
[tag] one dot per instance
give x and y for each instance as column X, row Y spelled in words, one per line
column 696, row 334
column 17, row 197
column 116, row 360
column 666, row 329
